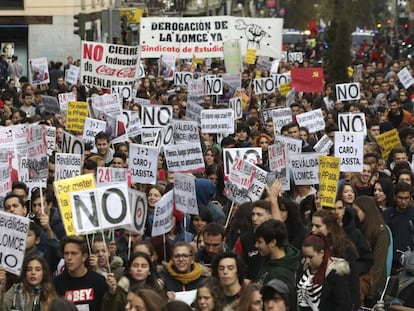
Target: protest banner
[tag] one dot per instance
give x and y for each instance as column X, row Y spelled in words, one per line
column 13, row 234
column 139, row 207
column 91, row 128
column 133, row 123
column 349, row 147
column 72, row 144
column 293, row 146
column 143, row 162
column 235, row 103
column 278, row 164
column 313, row 120
column 347, row 91
column 305, row 168
column 232, row 56
column 67, row 165
column 5, row 182
column 280, row 117
column 264, row 85
column 101, row 208
column 112, row 175
column 250, row 154
column 64, row 98
column 405, row 78
column 37, row 152
column 250, row 57
column 106, row 65
column 50, row 104
column 156, row 115
column 323, row 145
column 50, row 137
column 39, row 71
column 72, row 75
column 184, row 158
column 204, row 36
column 76, row 115
column 185, row 193
column 352, row 122
column 217, row 121
column 63, row 189
column 185, row 131
column 163, row 213
column 388, row 141
column 328, row 179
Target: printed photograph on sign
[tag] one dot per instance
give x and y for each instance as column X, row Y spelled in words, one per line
column 39, row 71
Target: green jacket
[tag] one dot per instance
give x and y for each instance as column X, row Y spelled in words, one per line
column 284, row 268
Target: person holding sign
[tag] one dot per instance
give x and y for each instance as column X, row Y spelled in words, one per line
column 35, row 292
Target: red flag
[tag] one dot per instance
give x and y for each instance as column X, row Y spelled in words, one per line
column 313, row 28
column 307, row 80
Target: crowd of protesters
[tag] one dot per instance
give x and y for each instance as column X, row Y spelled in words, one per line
column 282, row 252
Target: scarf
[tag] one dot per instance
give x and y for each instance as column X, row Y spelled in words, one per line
column 185, row 278
column 18, row 298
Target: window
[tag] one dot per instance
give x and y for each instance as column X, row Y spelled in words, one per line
column 11, row 4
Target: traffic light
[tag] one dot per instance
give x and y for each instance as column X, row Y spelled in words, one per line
column 79, row 25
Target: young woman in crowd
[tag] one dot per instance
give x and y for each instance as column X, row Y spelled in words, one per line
column 251, row 299
column 212, row 156
column 141, row 272
column 323, row 285
column 145, row 299
column 376, row 233
column 209, row 296
column 35, row 291
column 347, row 194
column 199, row 222
column 154, row 194
column 383, row 194
column 263, row 141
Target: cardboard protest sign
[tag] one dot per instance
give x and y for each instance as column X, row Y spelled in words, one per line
column 231, row 83
column 352, row 122
column 26, row 176
column 217, row 121
column 138, row 204
column 264, row 63
column 101, row 208
column 232, row 56
column 50, row 104
column 13, row 234
column 213, row 86
column 348, row 91
column 76, row 115
column 285, row 88
column 156, row 115
column 37, row 152
column 258, row 184
column 163, row 215
column 63, row 189
column 184, row 158
column 274, row 69
column 193, row 112
column 91, row 128
column 50, row 137
column 328, row 179
column 239, row 180
column 250, row 57
column 349, row 147
column 166, row 66
column 281, row 78
column 185, row 194
column 186, row 36
column 64, row 98
column 72, row 75
column 182, row 78
column 39, row 71
column 312, row 120
column 124, row 92
column 143, row 162
column 278, row 164
column 250, row 154
column 185, row 131
column 19, row 132
column 323, row 145
column 67, row 165
column 106, row 65
column 72, row 144
column 280, row 117
column 295, row 57
column 112, row 175
column 305, row 168
column 388, row 141
column 133, row 123
column 405, row 78
column 104, row 106
column 5, row 182
column 293, row 146
column 195, row 94
column 264, row 85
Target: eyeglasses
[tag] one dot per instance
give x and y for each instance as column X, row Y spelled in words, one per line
column 183, row 256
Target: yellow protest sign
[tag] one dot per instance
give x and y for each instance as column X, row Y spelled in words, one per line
column 250, row 57
column 388, row 141
column 63, row 189
column 76, row 115
column 328, row 179
column 285, row 88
